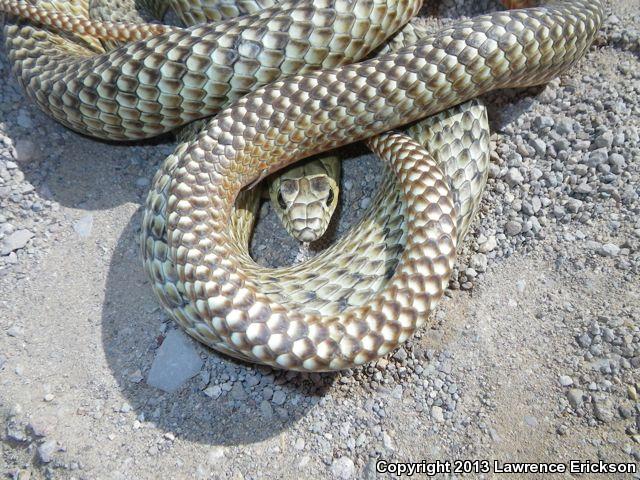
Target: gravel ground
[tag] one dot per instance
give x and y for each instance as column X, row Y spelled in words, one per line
column 533, row 355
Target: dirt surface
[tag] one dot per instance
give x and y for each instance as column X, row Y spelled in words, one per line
column 533, row 355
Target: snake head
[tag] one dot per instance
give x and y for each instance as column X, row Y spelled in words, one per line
column 305, row 197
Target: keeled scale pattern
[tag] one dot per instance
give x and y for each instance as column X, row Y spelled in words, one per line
column 359, row 265
column 117, row 30
column 299, row 342
column 149, row 87
column 303, row 115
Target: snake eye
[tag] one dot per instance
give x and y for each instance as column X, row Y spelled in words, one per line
column 330, row 197
column 281, row 202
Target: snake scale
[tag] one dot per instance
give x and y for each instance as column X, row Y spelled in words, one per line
column 194, row 239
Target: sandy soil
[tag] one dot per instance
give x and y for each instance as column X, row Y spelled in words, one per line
column 80, row 326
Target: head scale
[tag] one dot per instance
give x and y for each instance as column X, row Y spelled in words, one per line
column 305, row 197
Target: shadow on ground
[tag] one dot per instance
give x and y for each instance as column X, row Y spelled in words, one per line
column 131, row 331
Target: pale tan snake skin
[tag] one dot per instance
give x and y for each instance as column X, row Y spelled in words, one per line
column 203, row 275
column 152, row 86
column 227, row 60
column 302, row 115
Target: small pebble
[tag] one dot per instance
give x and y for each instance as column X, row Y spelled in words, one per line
column 343, row 468
column 565, row 380
column 83, row 226
column 609, row 250
column 45, row 451
column 279, row 397
column 437, row 414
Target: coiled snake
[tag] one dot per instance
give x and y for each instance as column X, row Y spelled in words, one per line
column 198, row 261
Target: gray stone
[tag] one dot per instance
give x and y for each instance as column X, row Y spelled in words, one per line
column 387, row 442
column 142, row 182
column 397, row 392
column 617, row 160
column 279, row 397
column 45, row 451
column 536, row 204
column 582, row 145
column 24, row 119
column 564, row 126
column 252, row 380
column 213, row 391
column 267, row 393
column 565, row 380
column 266, row 410
column 400, row 355
column 437, row 414
column 15, row 433
column 370, row 472
column 573, row 205
column 583, row 188
column 479, row 262
column 513, row 228
column 15, row 331
column 584, row 340
column 539, row 146
column 489, row 245
column 603, row 410
column 15, row 241
column 536, row 174
column 176, row 361
column 343, row 468
column 575, row 398
column 494, row 435
column 205, row 375
column 548, row 95
column 40, row 427
column 514, row 177
column 543, row 122
column 237, row 392
column 26, row 150
column 597, row 157
column 605, row 140
column 609, row 250
column 83, row 226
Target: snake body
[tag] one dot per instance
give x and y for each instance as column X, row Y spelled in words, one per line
column 302, row 115
column 149, row 87
column 197, row 258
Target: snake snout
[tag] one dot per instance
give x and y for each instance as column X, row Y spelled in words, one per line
column 309, row 222
column 308, row 235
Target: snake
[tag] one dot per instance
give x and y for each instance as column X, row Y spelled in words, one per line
column 305, row 196
column 195, row 234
